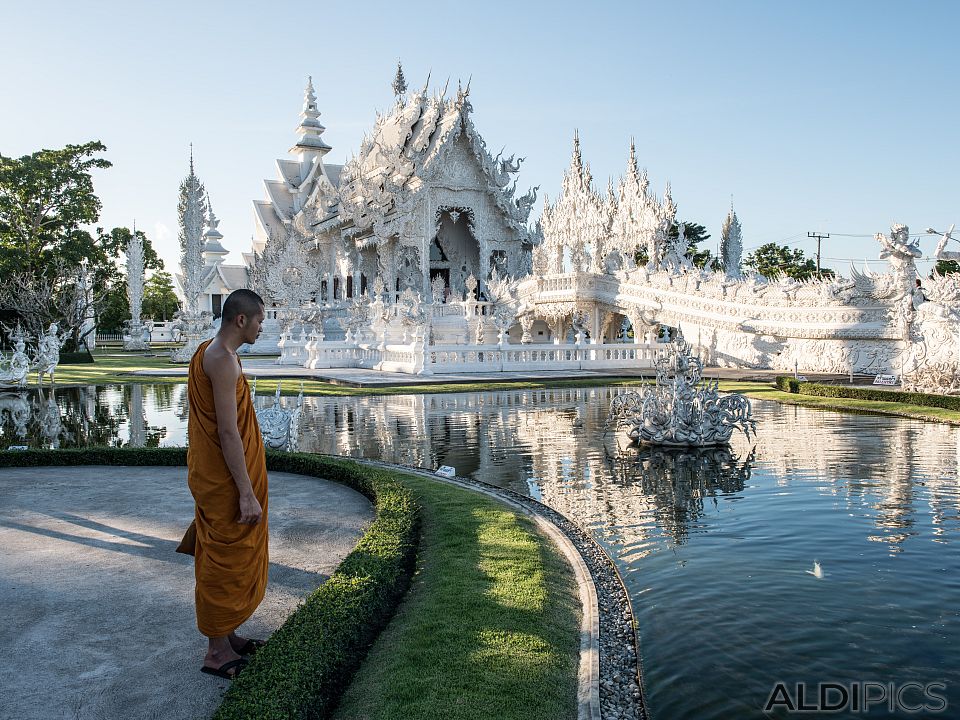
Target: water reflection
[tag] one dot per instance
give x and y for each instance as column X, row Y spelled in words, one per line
column 83, row 416
column 714, row 544
column 678, row 481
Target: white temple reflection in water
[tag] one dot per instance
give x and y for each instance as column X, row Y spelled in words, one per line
column 552, row 444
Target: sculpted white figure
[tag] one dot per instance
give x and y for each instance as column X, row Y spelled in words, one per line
column 48, row 353
column 15, row 370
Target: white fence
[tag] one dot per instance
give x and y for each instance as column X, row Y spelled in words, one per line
column 415, row 358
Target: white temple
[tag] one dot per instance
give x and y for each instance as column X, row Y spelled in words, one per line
column 416, row 256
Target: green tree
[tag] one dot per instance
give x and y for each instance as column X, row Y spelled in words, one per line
column 945, row 267
column 159, row 298
column 45, row 199
column 771, row 260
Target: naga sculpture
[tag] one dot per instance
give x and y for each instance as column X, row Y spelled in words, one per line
column 680, row 410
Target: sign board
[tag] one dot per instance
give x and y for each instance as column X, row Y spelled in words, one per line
column 885, row 380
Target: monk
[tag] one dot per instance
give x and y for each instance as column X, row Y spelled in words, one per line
column 227, row 474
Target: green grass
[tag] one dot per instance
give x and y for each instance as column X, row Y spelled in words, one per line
column 490, row 628
column 110, row 368
column 766, row 391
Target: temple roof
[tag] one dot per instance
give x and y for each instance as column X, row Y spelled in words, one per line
column 402, row 152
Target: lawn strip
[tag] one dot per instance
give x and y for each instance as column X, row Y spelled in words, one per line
column 766, row 391
column 111, row 369
column 489, row 629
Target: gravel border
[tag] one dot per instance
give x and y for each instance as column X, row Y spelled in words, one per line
column 621, row 673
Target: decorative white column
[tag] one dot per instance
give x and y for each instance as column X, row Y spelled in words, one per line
column 135, row 281
column 193, row 324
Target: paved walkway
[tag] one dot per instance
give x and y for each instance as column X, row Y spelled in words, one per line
column 98, row 608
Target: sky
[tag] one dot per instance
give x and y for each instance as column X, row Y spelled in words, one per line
column 836, row 117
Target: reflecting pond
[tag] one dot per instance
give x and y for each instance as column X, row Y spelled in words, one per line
column 716, row 547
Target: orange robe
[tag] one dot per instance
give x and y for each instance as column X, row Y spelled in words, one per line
column 231, row 559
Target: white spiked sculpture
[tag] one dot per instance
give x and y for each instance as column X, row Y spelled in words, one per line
column 135, row 280
column 193, row 324
column 680, row 410
column 731, row 245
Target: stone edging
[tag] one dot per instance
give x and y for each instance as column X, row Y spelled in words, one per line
column 609, row 678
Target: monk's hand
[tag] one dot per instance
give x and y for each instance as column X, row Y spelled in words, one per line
column 250, row 510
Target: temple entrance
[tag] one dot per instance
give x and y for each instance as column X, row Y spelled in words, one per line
column 454, row 248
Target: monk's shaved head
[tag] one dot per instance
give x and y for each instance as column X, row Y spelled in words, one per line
column 241, row 302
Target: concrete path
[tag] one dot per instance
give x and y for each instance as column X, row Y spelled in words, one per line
column 98, row 617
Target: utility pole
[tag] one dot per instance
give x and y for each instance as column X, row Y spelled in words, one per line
column 819, row 237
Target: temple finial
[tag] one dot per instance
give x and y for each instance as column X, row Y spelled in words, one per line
column 309, row 130
column 576, row 162
column 399, row 81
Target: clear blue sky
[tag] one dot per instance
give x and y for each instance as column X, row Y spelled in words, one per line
column 834, row 116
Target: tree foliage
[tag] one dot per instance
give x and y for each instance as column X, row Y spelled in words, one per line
column 46, row 202
column 945, row 267
column 772, row 259
column 159, row 297
column 45, row 199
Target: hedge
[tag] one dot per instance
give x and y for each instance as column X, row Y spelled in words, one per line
column 789, row 384
column 303, row 669
column 75, row 358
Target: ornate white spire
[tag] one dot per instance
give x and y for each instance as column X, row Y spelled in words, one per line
column 576, row 162
column 632, row 169
column 191, row 212
column 213, row 250
column 731, row 244
column 309, row 130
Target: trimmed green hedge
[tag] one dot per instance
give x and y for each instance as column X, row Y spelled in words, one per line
column 308, row 662
column 75, row 358
column 789, row 384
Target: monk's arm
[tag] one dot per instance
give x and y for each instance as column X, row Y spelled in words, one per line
column 224, row 372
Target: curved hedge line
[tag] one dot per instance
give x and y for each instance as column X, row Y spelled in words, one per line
column 792, row 385
column 307, row 663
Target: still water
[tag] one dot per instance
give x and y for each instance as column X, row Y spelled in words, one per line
column 717, row 548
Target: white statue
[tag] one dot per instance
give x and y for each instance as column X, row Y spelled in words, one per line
column 15, row 370
column 135, row 282
column 48, row 353
column 679, row 410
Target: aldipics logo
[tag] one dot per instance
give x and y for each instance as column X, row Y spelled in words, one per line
column 858, row 697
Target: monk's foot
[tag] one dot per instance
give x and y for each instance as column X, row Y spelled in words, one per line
column 216, row 659
column 244, row 646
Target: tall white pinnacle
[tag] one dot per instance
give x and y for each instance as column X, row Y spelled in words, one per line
column 731, row 244
column 192, row 216
column 135, row 279
column 576, row 161
column 309, row 130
